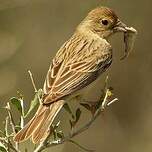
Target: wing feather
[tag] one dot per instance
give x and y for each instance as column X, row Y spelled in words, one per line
column 75, row 66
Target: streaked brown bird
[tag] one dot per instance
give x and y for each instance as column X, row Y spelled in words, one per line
column 80, row 61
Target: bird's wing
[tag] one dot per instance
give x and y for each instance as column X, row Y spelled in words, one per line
column 69, row 74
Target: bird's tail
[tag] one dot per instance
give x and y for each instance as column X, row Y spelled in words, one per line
column 38, row 126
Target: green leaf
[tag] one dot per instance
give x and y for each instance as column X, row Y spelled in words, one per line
column 34, row 102
column 78, row 114
column 54, row 134
column 17, row 103
column 92, row 108
column 77, row 117
column 71, row 123
column 2, row 148
column 68, row 109
column 60, row 134
column 17, row 128
column 57, row 134
column 86, row 105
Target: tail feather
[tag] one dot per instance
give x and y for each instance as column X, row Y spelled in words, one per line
column 43, row 126
column 39, row 124
column 26, row 132
column 20, row 136
column 37, row 121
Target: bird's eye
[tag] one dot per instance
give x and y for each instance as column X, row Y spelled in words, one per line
column 105, row 22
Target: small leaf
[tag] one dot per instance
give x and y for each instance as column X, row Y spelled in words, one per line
column 78, row 114
column 17, row 103
column 54, row 134
column 34, row 102
column 68, row 109
column 54, row 130
column 60, row 134
column 106, row 84
column 2, row 148
column 71, row 123
column 86, row 105
column 90, row 106
column 17, row 128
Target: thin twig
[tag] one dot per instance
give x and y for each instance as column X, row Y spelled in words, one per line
column 12, row 123
column 22, row 115
column 6, row 132
column 11, row 146
column 5, row 142
column 32, row 80
column 33, row 83
column 111, row 102
column 46, row 144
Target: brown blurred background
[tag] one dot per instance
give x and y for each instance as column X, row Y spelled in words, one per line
column 31, row 31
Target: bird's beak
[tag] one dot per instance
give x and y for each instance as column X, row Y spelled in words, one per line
column 120, row 27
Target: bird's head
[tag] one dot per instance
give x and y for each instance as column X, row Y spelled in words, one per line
column 102, row 21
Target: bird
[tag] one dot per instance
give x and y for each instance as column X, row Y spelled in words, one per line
column 78, row 63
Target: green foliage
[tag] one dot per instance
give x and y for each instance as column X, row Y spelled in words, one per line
column 76, row 118
column 59, row 137
column 68, row 109
column 17, row 103
column 2, row 148
column 34, row 102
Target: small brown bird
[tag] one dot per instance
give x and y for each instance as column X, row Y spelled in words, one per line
column 79, row 62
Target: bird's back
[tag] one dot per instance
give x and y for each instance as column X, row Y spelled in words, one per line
column 77, row 63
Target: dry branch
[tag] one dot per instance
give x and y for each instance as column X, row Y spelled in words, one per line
column 46, row 144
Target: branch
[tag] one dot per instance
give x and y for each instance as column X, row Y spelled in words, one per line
column 6, row 132
column 12, row 123
column 6, row 142
column 46, row 144
column 33, row 83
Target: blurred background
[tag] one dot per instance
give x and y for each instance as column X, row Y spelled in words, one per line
column 31, row 31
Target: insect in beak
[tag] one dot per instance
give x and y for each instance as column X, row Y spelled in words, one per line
column 129, row 36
